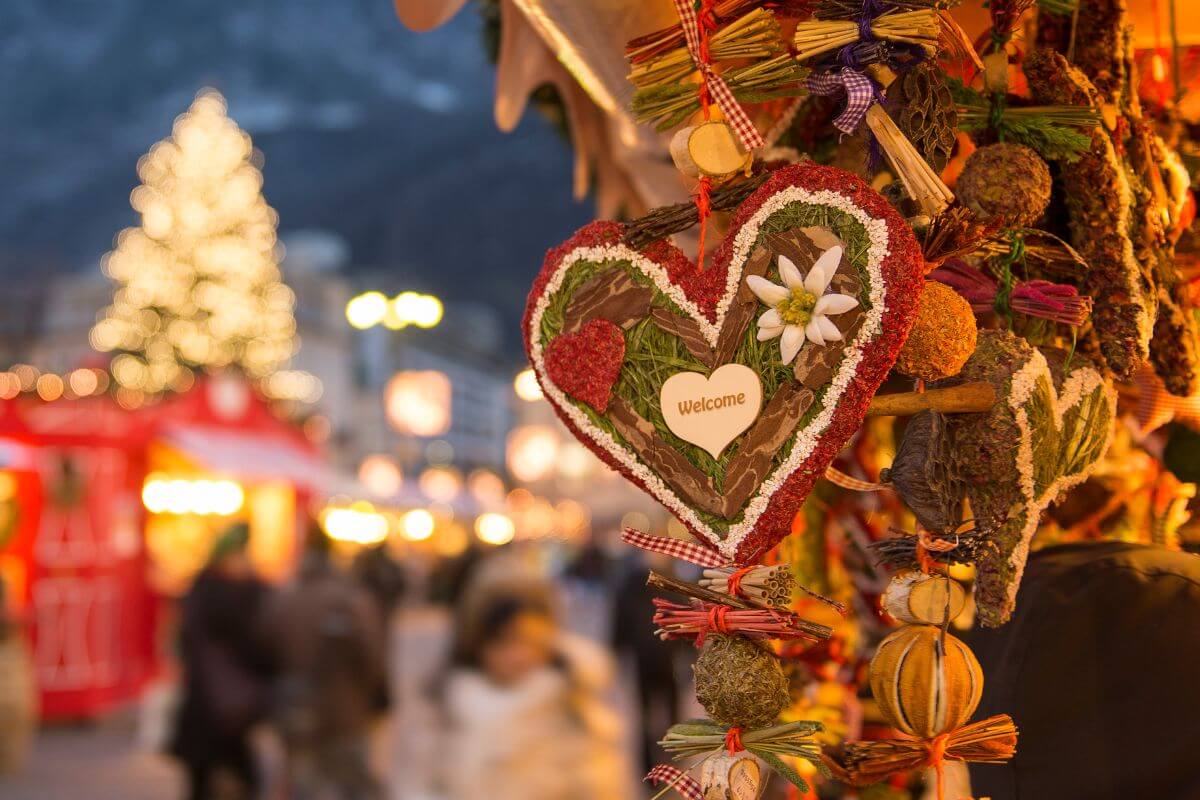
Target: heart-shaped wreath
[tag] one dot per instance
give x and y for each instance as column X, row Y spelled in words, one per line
column 813, row 290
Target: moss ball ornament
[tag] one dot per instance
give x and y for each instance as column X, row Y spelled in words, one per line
column 942, row 337
column 1005, row 182
column 739, row 684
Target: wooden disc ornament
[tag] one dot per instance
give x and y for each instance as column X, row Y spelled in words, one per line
column 917, row 598
column 710, row 148
column 736, row 777
column 926, row 681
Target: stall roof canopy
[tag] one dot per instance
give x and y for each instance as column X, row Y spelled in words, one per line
column 249, row 455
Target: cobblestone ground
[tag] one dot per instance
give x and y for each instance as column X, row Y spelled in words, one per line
column 93, row 762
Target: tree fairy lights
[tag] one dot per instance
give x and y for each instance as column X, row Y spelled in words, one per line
column 198, row 284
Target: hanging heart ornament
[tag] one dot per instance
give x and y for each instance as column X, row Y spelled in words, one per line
column 725, row 392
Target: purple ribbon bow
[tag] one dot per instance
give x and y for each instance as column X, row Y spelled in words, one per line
column 859, row 90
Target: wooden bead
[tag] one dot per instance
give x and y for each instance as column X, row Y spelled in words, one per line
column 737, row 777
column 917, row 598
column 710, row 148
column 923, row 689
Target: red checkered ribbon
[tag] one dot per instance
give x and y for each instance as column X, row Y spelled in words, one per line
column 676, row 548
column 839, row 478
column 679, row 780
column 735, row 115
column 859, row 90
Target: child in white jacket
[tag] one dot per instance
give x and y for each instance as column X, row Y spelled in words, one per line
column 524, row 714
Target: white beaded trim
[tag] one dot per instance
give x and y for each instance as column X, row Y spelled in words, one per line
column 805, row 440
column 1079, row 384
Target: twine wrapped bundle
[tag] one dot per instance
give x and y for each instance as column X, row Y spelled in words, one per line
column 699, row 619
column 769, row 79
column 921, row 183
column 922, row 28
column 989, row 741
column 763, row 586
column 702, row 738
column 754, row 35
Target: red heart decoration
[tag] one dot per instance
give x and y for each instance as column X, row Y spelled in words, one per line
column 586, row 364
column 594, row 276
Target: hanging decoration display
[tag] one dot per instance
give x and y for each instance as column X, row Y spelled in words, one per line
column 935, row 268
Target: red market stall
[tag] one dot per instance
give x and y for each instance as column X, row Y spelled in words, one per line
column 91, row 566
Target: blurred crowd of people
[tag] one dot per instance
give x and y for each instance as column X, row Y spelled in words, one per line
column 524, row 698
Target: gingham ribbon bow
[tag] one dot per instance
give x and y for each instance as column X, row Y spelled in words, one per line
column 676, row 548
column 735, row 115
column 860, row 93
column 679, row 780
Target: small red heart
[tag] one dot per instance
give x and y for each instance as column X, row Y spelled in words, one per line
column 585, row 364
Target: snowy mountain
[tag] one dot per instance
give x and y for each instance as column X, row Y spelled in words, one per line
column 368, row 130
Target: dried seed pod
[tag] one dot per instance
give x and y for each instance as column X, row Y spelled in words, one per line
column 927, row 113
column 738, row 683
column 923, row 474
column 926, row 681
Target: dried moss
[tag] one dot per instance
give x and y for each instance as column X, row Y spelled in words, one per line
column 739, row 683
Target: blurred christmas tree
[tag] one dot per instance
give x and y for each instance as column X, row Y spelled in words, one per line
column 198, row 284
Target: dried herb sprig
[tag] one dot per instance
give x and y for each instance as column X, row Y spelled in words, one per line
column 701, row 738
column 770, row 79
column 669, row 220
column 753, row 35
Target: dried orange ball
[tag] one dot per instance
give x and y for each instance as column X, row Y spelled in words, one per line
column 943, row 336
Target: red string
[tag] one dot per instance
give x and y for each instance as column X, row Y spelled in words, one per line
column 716, row 623
column 706, row 21
column 734, row 583
column 703, row 211
column 937, row 759
column 733, row 741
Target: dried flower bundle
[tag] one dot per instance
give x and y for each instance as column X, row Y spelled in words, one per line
column 1055, row 302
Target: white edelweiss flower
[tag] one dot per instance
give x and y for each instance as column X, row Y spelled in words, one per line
column 800, row 309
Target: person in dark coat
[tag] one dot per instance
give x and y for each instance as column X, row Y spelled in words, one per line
column 1098, row 669
column 225, row 674
column 653, row 660
column 329, row 643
